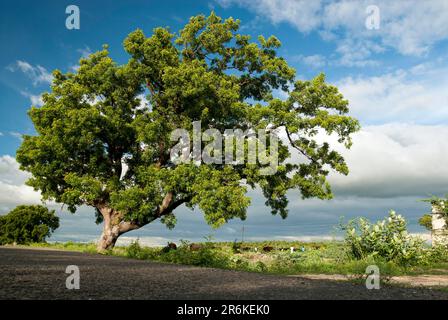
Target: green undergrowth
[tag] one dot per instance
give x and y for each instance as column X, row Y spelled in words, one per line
column 331, row 257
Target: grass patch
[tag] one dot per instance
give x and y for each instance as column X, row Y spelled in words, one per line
column 70, row 246
column 331, row 257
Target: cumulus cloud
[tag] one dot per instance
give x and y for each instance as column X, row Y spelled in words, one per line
column 395, row 160
column 417, row 95
column 10, row 172
column 303, row 14
column 390, row 161
column 38, row 74
column 409, row 27
column 13, row 190
column 355, row 53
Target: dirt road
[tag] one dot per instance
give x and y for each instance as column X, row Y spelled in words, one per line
column 40, row 274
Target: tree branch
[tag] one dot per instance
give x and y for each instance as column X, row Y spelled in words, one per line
column 168, row 204
column 296, row 147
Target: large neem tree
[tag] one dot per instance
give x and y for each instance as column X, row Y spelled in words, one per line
column 97, row 146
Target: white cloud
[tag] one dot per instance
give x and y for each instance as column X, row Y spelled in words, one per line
column 389, row 161
column 394, row 160
column 315, row 61
column 38, row 74
column 10, row 172
column 354, row 53
column 418, row 95
column 411, row 27
column 36, row 100
column 303, row 14
column 13, row 190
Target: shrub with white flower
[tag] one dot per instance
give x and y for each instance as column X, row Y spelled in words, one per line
column 387, row 239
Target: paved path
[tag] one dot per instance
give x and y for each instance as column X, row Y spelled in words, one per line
column 40, row 274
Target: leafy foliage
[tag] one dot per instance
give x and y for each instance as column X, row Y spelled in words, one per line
column 387, row 239
column 426, row 221
column 26, row 224
column 205, row 256
column 440, row 204
column 96, row 145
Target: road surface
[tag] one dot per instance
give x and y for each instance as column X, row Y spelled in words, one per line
column 40, row 274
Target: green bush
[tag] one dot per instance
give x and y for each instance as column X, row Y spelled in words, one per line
column 135, row 251
column 27, row 224
column 261, row 267
column 236, row 247
column 387, row 239
column 205, row 256
column 437, row 254
column 426, row 221
column 440, row 204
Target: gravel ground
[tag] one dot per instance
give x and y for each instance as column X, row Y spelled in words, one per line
column 40, row 274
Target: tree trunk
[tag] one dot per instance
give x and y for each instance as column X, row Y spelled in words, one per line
column 108, row 237
column 113, row 226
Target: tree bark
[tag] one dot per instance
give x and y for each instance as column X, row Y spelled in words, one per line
column 114, row 224
column 113, row 227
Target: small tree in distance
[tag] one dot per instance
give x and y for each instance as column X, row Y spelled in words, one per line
column 426, row 221
column 26, row 224
column 96, row 146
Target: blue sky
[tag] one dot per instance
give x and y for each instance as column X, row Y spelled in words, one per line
column 394, row 77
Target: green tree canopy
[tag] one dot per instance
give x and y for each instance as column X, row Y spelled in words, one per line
column 27, row 224
column 97, row 146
